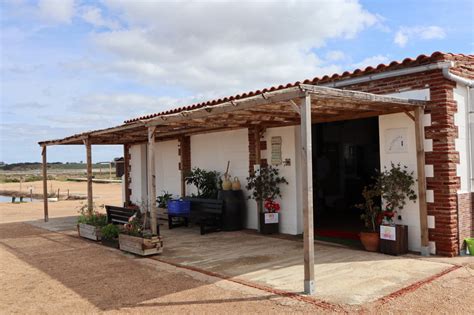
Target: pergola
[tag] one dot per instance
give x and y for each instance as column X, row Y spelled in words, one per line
column 301, row 104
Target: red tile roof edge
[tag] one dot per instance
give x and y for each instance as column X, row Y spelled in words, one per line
column 407, row 62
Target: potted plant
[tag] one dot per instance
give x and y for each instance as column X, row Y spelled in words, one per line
column 264, row 185
column 136, row 238
column 90, row 222
column 110, row 234
column 207, row 183
column 372, row 216
column 396, row 187
column 162, row 202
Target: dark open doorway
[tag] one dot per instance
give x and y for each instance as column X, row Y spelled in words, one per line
column 346, row 155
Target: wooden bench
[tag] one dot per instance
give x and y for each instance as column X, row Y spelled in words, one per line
column 207, row 213
column 118, row 215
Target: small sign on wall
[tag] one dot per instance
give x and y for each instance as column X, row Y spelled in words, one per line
column 276, row 150
column 396, row 140
column 388, row 232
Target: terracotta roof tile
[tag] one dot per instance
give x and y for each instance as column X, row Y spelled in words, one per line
column 407, row 62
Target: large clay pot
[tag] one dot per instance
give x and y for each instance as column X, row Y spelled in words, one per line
column 236, row 184
column 370, row 240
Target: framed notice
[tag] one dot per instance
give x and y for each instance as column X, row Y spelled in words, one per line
column 276, row 151
column 388, row 232
column 271, row 218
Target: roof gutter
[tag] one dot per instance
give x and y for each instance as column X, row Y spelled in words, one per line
column 390, row 74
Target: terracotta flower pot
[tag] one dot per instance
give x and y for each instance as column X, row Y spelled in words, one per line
column 370, row 240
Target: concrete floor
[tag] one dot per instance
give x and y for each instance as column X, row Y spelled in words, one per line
column 342, row 275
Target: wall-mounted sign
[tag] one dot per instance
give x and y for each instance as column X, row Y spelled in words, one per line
column 388, row 232
column 276, row 150
column 396, row 140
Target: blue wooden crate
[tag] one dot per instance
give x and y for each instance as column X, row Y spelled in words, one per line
column 179, row 207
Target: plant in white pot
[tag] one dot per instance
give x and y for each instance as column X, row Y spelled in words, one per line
column 264, row 185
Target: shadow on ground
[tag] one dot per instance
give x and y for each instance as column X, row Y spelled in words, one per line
column 106, row 278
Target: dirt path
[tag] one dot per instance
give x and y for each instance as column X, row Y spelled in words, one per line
column 47, row 272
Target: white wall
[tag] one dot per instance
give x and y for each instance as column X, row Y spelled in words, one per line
column 461, row 143
column 290, row 220
column 212, row 151
column 138, row 173
column 410, row 215
column 168, row 175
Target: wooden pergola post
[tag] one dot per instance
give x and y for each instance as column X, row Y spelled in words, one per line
column 152, row 181
column 126, row 172
column 420, row 163
column 307, row 178
column 90, row 203
column 45, row 184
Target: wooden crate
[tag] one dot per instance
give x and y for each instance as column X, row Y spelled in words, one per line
column 90, row 232
column 162, row 214
column 141, row 246
column 399, row 246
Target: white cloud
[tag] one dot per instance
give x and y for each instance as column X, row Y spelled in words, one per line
column 93, row 15
column 231, row 46
column 60, row 11
column 371, row 61
column 335, row 55
column 405, row 34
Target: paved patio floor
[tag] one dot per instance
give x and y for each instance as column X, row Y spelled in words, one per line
column 342, row 275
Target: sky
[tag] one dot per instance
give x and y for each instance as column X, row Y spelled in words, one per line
column 69, row 66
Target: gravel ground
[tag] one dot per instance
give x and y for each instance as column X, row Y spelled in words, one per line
column 48, row 272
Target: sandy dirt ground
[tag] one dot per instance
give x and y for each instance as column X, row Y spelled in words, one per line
column 110, row 194
column 49, row 272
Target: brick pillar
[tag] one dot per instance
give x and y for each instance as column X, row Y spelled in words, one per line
column 127, row 172
column 466, row 217
column 252, row 156
column 444, row 159
column 184, row 151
